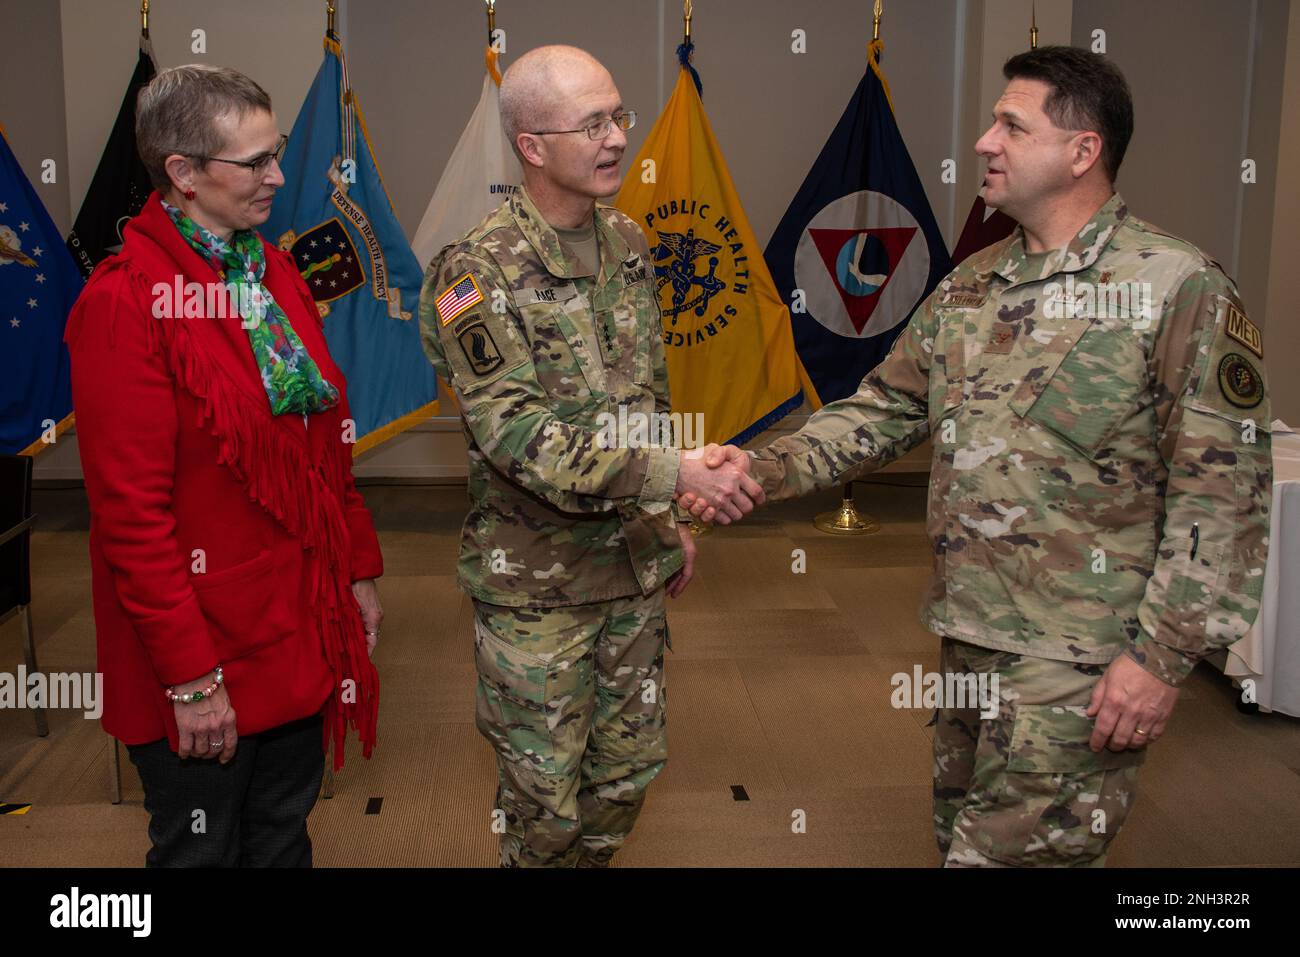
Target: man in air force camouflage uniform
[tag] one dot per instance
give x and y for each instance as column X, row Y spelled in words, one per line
column 1100, row 483
column 545, row 319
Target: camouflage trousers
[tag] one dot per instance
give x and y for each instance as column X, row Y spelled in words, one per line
column 572, row 700
column 1024, row 789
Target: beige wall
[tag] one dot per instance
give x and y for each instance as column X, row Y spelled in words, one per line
column 1283, row 333
column 1211, row 81
column 31, row 98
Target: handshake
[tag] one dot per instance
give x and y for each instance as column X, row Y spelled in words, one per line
column 713, row 484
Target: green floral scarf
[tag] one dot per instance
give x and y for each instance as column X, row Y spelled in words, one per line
column 292, row 381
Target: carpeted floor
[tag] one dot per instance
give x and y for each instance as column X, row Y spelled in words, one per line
column 779, row 702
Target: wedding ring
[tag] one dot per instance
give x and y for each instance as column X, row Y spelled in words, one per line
column 1138, row 731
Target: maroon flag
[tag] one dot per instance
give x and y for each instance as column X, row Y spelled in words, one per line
column 984, row 227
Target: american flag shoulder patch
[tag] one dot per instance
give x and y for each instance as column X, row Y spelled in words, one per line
column 459, row 296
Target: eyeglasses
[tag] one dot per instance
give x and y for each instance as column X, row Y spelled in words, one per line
column 624, row 120
column 258, row 164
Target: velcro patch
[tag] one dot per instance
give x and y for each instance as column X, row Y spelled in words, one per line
column 1238, row 327
column 963, row 300
column 479, row 348
column 535, row 294
column 633, row 270
column 462, row 294
column 1240, row 382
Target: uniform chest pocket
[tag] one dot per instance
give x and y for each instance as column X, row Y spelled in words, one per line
column 639, row 321
column 564, row 364
column 1086, row 393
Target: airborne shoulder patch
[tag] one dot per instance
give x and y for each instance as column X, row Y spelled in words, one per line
column 1238, row 327
column 462, row 294
column 480, row 349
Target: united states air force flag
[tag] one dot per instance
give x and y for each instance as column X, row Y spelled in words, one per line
column 859, row 248
column 334, row 215
column 481, row 173
column 39, row 281
column 726, row 331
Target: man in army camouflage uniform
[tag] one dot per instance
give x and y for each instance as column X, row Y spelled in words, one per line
column 1100, row 483
column 545, row 321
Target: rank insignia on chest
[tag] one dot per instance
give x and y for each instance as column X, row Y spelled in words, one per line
column 1003, row 338
column 462, row 294
column 482, row 353
column 1244, row 331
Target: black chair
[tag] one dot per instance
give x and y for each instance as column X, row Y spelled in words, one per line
column 16, row 524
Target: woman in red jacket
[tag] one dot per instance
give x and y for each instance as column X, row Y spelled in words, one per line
column 233, row 561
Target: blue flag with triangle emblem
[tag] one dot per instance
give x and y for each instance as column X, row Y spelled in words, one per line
column 334, row 215
column 858, row 249
column 39, row 281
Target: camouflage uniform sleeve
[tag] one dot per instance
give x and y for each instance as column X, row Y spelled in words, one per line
column 1212, row 404
column 481, row 350
column 842, row 441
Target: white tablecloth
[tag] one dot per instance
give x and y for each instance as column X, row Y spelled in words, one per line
column 1269, row 655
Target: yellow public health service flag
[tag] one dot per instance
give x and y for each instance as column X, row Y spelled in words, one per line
column 726, row 331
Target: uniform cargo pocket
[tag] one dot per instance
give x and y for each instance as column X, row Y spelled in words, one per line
column 1192, row 591
column 1053, row 739
column 518, row 701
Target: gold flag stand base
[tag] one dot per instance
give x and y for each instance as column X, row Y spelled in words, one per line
column 846, row 520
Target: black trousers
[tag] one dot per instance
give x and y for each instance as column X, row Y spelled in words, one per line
column 254, row 809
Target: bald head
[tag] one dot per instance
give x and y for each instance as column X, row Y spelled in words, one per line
column 539, row 89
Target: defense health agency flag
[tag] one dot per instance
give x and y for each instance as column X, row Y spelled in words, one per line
column 859, row 241
column 481, row 173
column 120, row 185
column 984, row 227
column 38, row 284
column 334, row 215
column 726, row 330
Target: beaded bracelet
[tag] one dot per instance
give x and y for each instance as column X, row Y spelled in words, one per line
column 196, row 695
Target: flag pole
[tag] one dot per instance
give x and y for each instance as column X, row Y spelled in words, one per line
column 847, row 520
column 1033, row 26
column 329, row 20
column 491, row 18
column 144, row 19
column 688, row 11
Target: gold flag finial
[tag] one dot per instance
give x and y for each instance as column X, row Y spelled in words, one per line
column 144, row 18
column 492, row 18
column 1033, row 26
column 688, row 11
column 329, row 18
column 875, row 20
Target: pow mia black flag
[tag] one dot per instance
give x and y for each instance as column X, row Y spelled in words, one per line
column 120, row 185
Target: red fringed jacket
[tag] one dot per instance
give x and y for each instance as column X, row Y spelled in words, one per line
column 219, row 534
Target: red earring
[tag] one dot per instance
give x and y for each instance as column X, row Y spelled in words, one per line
column 189, row 194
